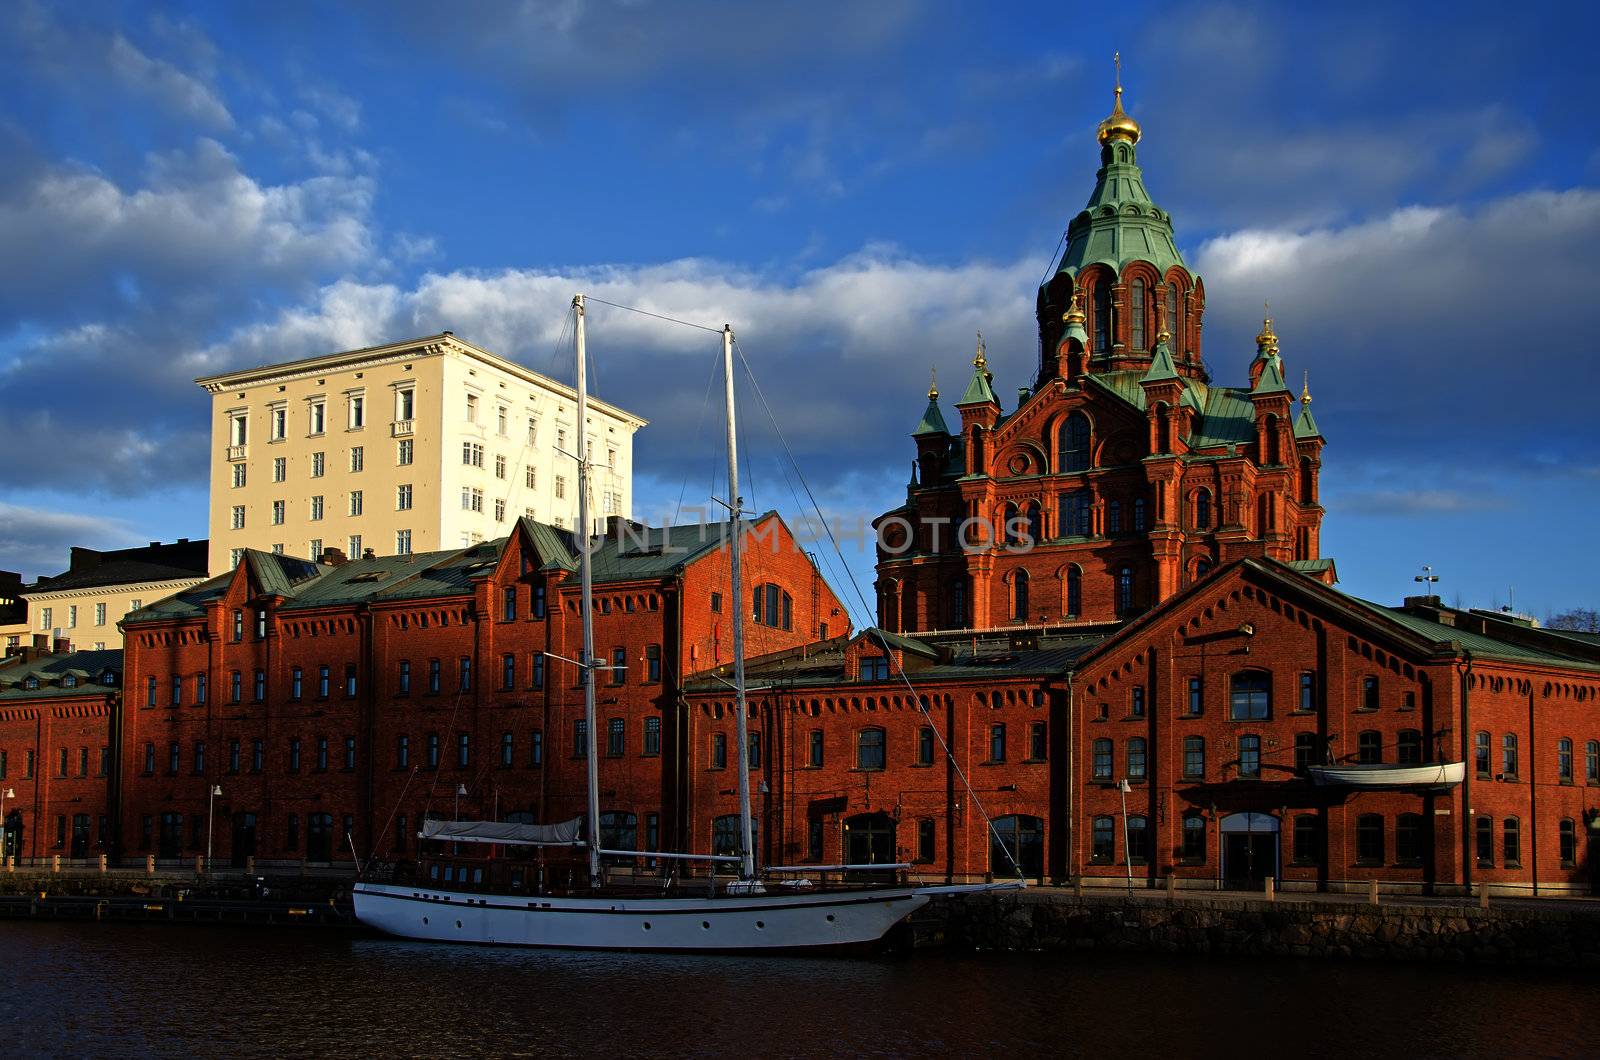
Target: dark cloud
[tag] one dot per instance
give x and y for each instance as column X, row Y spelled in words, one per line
column 33, row 543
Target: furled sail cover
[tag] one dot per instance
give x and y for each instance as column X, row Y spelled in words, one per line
column 566, row 833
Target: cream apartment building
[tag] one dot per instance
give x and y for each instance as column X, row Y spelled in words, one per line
column 84, row 604
column 415, row 446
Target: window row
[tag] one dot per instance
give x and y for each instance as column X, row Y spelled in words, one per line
column 1483, row 758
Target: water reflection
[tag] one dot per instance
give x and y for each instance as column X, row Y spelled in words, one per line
column 133, row 990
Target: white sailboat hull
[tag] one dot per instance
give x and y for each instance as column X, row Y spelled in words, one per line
column 783, row 921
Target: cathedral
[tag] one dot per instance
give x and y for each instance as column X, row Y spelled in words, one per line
column 1124, row 472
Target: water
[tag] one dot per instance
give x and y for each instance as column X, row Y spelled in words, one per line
column 130, row 990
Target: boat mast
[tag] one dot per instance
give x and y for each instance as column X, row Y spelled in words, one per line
column 747, row 866
column 586, row 659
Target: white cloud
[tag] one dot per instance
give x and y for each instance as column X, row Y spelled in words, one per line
column 168, row 86
column 36, row 541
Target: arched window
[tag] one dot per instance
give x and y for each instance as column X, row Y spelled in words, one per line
column 1508, row 754
column 1074, row 601
column 1202, row 567
column 1194, row 839
column 1174, row 321
column 1564, row 760
column 1124, row 592
column 1308, row 482
column 1019, row 596
column 1103, row 850
column 1008, row 524
column 1274, row 454
column 1102, row 759
column 870, row 751
column 1484, row 833
column 1511, row 843
column 1035, row 517
column 1138, row 839
column 1139, row 520
column 1136, row 314
column 1369, row 747
column 958, row 604
column 1202, row 510
column 1113, row 517
column 1016, row 846
column 1137, row 759
column 1250, row 695
column 1073, row 443
column 1100, row 303
column 1408, row 839
column 1369, row 839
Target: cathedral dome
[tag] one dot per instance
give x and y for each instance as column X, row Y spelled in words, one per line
column 1118, row 125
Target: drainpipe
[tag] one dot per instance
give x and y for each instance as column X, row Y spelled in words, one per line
column 1469, row 766
column 1533, row 791
column 1071, row 743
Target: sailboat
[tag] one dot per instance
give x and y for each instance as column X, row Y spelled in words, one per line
column 741, row 914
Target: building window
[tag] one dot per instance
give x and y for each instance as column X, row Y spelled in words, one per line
column 536, row 601
column 1136, row 758
column 349, row 752
column 1102, row 759
column 1194, row 757
column 1369, row 693
column 355, row 507
column 619, row 666
column 358, row 411
column 405, row 404
column 1250, row 696
column 463, row 750
column 1139, row 519
column 997, row 742
column 814, row 750
column 652, row 660
column 1038, row 749
column 1408, row 839
column 616, row 732
column 754, row 749
column 508, row 750
column 472, row 408
column 1369, row 839
column 1408, row 747
column 1250, row 755
column 433, row 750
column 874, row 668
column 1073, row 511
column 508, row 672
column 258, row 756
column 538, row 670
column 471, row 499
column 260, row 689
column 925, row 840
column 1196, row 700
column 1124, row 592
column 1202, row 510
column 499, row 466
column 1136, row 702
column 177, row 690
column 1113, row 517
column 870, row 752
column 235, row 687
column 1369, row 747
column 772, row 606
column 323, row 681
column 1194, row 839
column 652, row 737
column 1511, row 843
column 1019, row 595
column 1074, row 439
column 1307, row 839
column 1103, row 848
column 464, row 670
column 402, row 542
column 405, row 452
column 319, row 418
column 1569, row 843
column 499, row 510
column 322, row 754
column 472, row 454
column 1138, row 839
column 1480, row 753
column 1305, row 751
column 349, row 680
column 1308, row 692
column 1074, row 606
column 402, row 751
column 1508, row 754
column 1564, row 760
column 1591, row 762
column 294, row 754
column 316, row 510
column 561, row 487
column 358, row 458
column 719, row 750
column 536, row 748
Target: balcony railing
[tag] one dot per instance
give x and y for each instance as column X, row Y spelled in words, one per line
column 402, row 428
column 237, row 452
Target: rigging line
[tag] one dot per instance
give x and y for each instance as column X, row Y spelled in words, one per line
column 647, row 313
column 866, row 608
column 699, row 427
column 528, row 441
column 988, row 821
column 400, row 801
column 1053, row 258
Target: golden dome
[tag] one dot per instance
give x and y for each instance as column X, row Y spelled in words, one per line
column 1074, row 313
column 1267, row 339
column 1118, row 126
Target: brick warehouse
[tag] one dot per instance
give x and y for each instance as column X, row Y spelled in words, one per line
column 1154, row 609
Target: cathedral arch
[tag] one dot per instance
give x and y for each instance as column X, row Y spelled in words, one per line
column 1017, row 584
column 1074, row 443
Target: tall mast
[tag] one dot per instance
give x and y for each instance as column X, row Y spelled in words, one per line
column 747, row 867
column 586, row 659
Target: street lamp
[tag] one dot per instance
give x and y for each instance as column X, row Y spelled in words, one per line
column 461, row 789
column 211, row 805
column 1123, row 787
column 5, row 832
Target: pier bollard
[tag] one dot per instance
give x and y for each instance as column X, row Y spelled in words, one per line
column 1372, row 892
column 1172, row 887
column 104, row 864
column 55, row 864
column 11, row 865
column 199, row 865
column 1077, row 887
column 250, row 865
column 149, row 864
column 1272, row 889
column 1483, row 895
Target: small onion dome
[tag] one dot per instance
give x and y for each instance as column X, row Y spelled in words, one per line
column 1267, row 339
column 1074, row 313
column 1118, row 126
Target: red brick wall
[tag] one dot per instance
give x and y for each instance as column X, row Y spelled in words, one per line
column 45, row 726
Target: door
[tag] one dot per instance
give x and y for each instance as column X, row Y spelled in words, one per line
column 319, row 836
column 11, row 839
column 869, row 839
column 80, row 835
column 171, row 843
column 244, row 838
column 1594, row 858
column 1249, row 850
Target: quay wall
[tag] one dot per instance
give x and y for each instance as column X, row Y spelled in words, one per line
column 1554, row 934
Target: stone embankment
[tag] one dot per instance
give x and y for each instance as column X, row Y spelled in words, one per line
column 1552, row 933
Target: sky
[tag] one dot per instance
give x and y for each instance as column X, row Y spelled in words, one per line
column 857, row 188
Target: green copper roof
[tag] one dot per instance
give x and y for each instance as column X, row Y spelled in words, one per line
column 932, row 421
column 978, row 390
column 1305, row 426
column 1120, row 224
column 1161, row 366
column 1271, row 380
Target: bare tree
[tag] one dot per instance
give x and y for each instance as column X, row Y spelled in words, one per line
column 1579, row 620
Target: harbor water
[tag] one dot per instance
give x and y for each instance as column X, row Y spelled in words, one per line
column 74, row 989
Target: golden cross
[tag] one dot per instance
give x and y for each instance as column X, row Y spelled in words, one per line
column 1116, row 59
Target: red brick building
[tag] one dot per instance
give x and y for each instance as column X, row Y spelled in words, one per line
column 1124, row 472
column 56, row 766
column 351, row 699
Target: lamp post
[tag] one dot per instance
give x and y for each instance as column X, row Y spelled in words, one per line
column 461, row 789
column 5, row 832
column 1123, row 787
column 211, row 806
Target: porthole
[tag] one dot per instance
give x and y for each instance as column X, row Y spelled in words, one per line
column 706, row 924
column 760, row 924
column 458, row 924
column 647, row 925
column 830, row 918
column 424, row 920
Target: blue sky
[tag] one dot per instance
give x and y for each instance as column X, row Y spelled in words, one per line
column 858, row 188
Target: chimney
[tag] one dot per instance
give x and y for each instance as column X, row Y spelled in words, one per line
column 367, row 553
column 62, row 646
column 333, row 557
column 83, row 558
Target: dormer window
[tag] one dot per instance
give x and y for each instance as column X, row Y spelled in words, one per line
column 874, row 668
column 109, row 677
column 69, row 681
